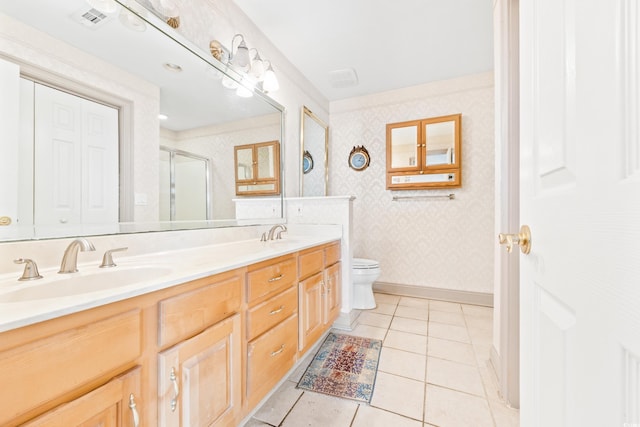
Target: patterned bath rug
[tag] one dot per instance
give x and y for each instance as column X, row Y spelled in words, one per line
column 344, row 366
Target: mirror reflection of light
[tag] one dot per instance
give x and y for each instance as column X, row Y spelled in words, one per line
column 162, row 117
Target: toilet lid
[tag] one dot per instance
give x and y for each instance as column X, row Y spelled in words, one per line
column 363, row 263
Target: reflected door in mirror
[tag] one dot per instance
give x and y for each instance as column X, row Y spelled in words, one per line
column 424, row 153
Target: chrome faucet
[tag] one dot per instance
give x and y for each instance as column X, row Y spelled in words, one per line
column 273, row 229
column 70, row 259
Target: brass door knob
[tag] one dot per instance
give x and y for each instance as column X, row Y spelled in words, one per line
column 522, row 239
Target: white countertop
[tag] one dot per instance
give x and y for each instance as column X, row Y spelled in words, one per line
column 172, row 267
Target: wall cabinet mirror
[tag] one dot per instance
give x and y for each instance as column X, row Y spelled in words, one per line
column 314, row 150
column 258, row 169
column 162, row 89
column 424, row 153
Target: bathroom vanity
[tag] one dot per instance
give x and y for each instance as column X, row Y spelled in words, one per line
column 200, row 345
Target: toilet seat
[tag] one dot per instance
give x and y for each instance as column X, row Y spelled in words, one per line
column 364, row 264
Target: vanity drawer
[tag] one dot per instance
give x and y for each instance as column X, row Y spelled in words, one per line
column 185, row 315
column 310, row 262
column 332, row 254
column 271, row 312
column 270, row 357
column 36, row 373
column 268, row 279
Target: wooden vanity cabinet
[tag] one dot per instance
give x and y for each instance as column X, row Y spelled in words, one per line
column 202, row 353
column 111, row 405
column 200, row 376
column 319, row 292
column 272, row 324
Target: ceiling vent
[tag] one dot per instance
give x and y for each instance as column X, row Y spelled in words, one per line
column 343, row 78
column 91, row 18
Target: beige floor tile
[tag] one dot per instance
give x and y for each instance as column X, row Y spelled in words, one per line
column 455, row 375
column 414, row 302
column 450, row 408
column 480, row 336
column 279, row 404
column 451, row 350
column 368, row 331
column 477, row 310
column 368, row 416
column 374, row 319
column 255, row 423
column 449, row 332
column 399, row 395
column 447, row 317
column 409, row 325
column 384, row 308
column 386, row 298
column 483, row 323
column 402, row 363
column 445, row 306
column 412, row 312
column 406, row 341
column 319, row 410
column 503, row 415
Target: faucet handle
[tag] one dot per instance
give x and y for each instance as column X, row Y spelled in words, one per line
column 107, row 259
column 30, row 269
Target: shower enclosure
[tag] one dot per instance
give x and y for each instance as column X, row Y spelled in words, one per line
column 185, row 193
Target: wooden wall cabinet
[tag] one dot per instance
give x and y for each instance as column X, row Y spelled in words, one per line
column 425, row 154
column 257, row 169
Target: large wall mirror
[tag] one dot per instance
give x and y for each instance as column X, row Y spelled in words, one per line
column 90, row 98
column 314, row 149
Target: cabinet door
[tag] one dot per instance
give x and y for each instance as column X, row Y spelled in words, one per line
column 115, row 404
column 200, row 378
column 310, row 311
column 333, row 275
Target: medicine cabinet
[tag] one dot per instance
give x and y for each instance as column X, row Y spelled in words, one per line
column 257, row 169
column 424, row 153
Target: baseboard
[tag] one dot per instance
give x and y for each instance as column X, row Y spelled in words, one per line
column 463, row 297
column 347, row 321
column 496, row 364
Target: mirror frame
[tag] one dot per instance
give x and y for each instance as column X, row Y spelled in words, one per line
column 126, row 202
column 306, row 112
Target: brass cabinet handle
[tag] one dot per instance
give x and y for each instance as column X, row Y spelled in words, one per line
column 5, row 220
column 176, row 390
column 134, row 411
column 522, row 239
column 275, row 279
column 278, row 351
column 272, row 312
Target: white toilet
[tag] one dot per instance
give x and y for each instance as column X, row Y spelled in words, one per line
column 364, row 273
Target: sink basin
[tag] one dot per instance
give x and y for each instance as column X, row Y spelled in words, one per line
column 84, row 283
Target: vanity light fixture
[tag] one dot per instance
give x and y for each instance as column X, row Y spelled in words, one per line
column 162, row 117
column 247, row 63
column 270, row 83
column 240, row 58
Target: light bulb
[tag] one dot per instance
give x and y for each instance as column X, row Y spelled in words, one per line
column 270, row 83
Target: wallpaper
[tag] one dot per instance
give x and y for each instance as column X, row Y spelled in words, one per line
column 433, row 243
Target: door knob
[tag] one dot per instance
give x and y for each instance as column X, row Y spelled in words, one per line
column 522, row 239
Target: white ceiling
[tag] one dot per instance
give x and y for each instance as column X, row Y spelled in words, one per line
column 389, row 44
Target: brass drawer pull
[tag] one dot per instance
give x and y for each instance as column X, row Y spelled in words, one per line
column 275, row 279
column 134, row 411
column 271, row 313
column 277, row 352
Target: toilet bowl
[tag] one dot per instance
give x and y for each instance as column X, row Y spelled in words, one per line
column 364, row 273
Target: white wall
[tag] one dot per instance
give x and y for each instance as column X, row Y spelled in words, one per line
column 427, row 243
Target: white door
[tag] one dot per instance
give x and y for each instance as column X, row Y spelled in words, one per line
column 580, row 194
column 76, row 160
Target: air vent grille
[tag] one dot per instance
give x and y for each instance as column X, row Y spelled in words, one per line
column 91, row 18
column 343, row 78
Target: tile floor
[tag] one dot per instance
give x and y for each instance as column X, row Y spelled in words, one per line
column 433, row 371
